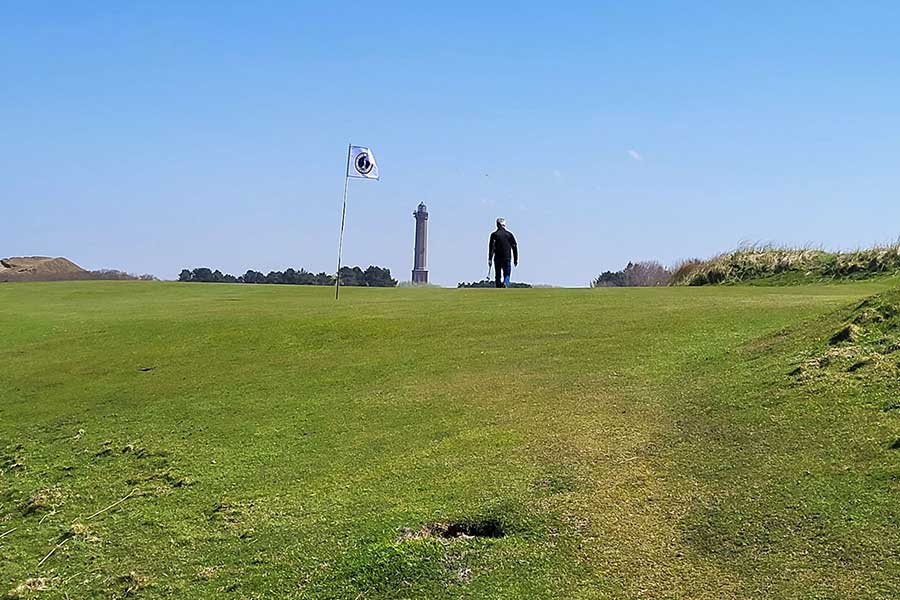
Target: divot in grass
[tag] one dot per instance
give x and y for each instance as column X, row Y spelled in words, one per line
column 848, row 333
column 487, row 528
column 130, row 583
column 41, row 501
column 859, row 365
column 12, row 462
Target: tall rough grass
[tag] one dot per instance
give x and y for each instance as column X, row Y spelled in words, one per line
column 762, row 261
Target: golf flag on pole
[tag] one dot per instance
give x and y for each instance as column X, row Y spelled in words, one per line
column 362, row 163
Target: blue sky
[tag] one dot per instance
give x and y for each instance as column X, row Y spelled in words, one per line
column 151, row 136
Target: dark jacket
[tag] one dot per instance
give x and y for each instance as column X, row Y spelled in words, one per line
column 502, row 245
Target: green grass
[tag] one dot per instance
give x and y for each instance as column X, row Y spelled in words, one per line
column 628, row 443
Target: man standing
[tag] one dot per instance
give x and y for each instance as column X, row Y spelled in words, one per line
column 502, row 249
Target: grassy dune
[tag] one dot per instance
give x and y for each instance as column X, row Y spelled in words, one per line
column 775, row 265
column 717, row 442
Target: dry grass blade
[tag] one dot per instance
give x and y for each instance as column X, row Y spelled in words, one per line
column 55, row 548
column 113, row 505
column 6, row 533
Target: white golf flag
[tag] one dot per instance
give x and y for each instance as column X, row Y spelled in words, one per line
column 362, row 163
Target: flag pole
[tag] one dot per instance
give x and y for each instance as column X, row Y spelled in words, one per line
column 337, row 278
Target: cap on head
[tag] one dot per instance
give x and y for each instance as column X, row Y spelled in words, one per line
column 501, row 222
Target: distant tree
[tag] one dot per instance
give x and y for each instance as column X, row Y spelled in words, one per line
column 610, row 279
column 303, row 277
column 323, row 279
column 647, row 274
column 107, row 274
column 379, row 277
column 202, row 274
column 252, row 277
column 352, row 276
column 635, row 274
column 185, row 275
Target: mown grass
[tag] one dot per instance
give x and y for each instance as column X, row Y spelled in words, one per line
column 615, row 443
column 776, row 265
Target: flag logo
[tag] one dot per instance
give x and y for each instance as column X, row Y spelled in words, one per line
column 362, row 163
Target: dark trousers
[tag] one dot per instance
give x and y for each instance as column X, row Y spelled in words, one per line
column 502, row 271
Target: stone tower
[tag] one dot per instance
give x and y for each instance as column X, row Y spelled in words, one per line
column 420, row 258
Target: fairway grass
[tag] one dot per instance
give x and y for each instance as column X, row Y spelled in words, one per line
column 270, row 442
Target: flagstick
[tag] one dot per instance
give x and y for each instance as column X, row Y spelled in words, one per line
column 337, row 282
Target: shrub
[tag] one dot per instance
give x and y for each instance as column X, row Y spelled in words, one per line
column 635, row 274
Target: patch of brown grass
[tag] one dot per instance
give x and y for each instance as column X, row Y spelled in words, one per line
column 28, row 587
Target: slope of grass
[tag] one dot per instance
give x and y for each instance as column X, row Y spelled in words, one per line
column 775, row 265
column 421, row 443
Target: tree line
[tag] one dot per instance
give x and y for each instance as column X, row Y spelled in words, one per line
column 489, row 283
column 351, row 276
column 635, row 274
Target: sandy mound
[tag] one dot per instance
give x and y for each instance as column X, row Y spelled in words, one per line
column 38, row 267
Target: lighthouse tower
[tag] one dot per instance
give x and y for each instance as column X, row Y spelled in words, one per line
column 420, row 258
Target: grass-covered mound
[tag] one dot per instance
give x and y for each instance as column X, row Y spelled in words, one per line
column 866, row 343
column 776, row 265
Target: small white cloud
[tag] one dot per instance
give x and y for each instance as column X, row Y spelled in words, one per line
column 557, row 174
column 635, row 155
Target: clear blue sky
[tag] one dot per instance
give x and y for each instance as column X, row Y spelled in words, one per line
column 151, row 136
